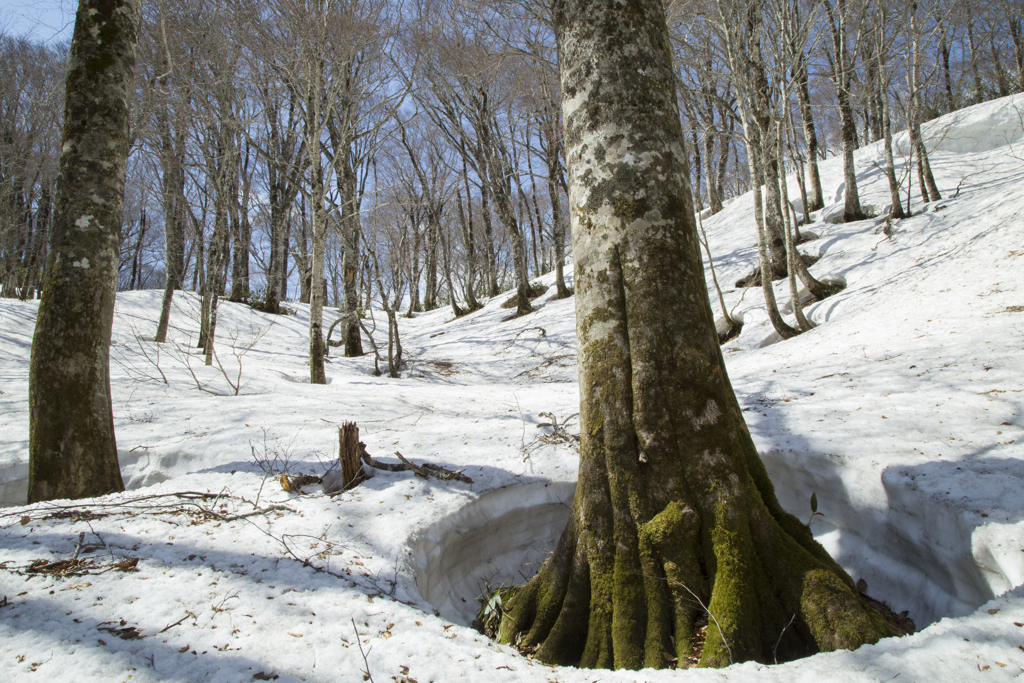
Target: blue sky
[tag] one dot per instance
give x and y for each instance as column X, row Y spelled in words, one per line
column 45, row 20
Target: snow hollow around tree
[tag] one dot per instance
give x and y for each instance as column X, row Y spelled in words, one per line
column 902, row 411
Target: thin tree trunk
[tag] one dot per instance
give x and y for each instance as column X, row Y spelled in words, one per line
column 466, row 223
column 890, row 166
column 174, row 220
column 947, row 79
column 499, row 173
column 539, row 260
column 351, row 233
column 1002, row 82
column 714, row 199
column 553, row 163
column 491, row 261
column 842, row 73
column 446, row 250
column 929, row 189
column 764, row 257
column 792, row 256
column 810, row 136
column 774, row 208
column 280, row 207
column 318, row 230
column 558, row 237
column 979, row 90
column 242, row 235
column 723, row 158
column 1014, row 23
column 137, row 257
column 714, row 279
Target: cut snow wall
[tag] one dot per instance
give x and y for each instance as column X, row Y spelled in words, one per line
column 914, row 550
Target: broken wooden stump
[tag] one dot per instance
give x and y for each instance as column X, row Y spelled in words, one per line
column 351, row 474
column 348, row 453
column 352, row 455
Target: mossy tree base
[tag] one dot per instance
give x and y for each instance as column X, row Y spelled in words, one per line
column 628, row 581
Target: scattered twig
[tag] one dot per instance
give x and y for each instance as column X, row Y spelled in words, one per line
column 185, row 500
column 559, row 433
column 700, row 602
column 170, row 626
column 367, row 676
column 78, row 546
column 522, row 436
column 775, row 649
column 543, row 335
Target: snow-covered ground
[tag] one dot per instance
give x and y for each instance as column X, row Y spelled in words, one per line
column 902, row 410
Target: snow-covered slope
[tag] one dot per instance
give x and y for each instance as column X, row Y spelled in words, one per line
column 902, row 410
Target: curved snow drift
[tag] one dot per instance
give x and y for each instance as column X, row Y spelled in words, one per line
column 500, row 538
column 917, row 555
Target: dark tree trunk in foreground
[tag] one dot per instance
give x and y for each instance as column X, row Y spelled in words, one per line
column 673, row 501
column 72, row 451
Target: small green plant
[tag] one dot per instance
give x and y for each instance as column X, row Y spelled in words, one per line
column 814, row 509
column 492, row 609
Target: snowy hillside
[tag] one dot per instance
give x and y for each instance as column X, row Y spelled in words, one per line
column 902, row 410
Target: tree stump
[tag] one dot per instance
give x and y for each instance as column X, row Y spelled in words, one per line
column 348, row 452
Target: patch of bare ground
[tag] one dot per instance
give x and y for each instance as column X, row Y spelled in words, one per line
column 730, row 334
column 753, row 279
column 442, row 368
column 536, row 290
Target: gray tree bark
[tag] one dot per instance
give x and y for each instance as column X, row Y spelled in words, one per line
column 551, row 143
column 673, row 502
column 929, row 190
column 72, row 449
column 469, row 242
column 350, row 234
column 842, row 77
column 817, row 199
column 172, row 164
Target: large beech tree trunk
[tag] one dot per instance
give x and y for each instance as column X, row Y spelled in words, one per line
column 72, row 450
column 673, row 501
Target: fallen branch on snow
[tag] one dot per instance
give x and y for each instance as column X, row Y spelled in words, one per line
column 426, row 470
